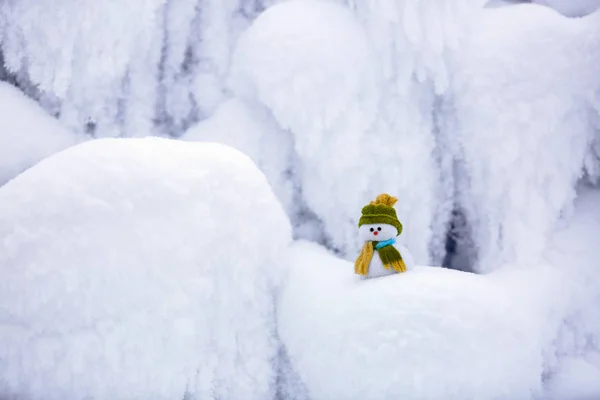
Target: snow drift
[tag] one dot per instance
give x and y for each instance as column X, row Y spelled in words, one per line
column 526, row 98
column 138, row 269
column 252, row 130
column 312, row 64
column 431, row 333
column 27, row 133
column 574, row 357
column 309, row 63
column 434, row 333
column 572, row 8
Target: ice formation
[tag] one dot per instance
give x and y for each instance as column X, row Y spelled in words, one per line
column 140, row 268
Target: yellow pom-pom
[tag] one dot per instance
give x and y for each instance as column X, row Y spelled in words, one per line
column 385, row 199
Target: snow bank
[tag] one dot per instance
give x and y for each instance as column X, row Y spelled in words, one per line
column 309, row 63
column 574, row 359
column 525, row 98
column 572, row 8
column 431, row 333
column 577, row 379
column 116, row 78
column 99, row 68
column 312, row 65
column 27, row 133
column 138, row 269
column 252, row 130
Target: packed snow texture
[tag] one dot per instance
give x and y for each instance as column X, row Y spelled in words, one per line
column 362, row 87
column 430, row 333
column 569, row 8
column 572, row 8
column 433, row 333
column 27, row 133
column 575, row 372
column 95, row 68
column 310, row 64
column 140, row 269
column 248, row 128
column 359, row 104
column 527, row 103
column 86, row 58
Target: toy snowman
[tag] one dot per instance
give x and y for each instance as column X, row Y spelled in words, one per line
column 378, row 227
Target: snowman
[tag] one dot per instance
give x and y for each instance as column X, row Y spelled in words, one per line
column 378, row 227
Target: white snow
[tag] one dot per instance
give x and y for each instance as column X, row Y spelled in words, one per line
column 140, row 269
column 569, row 8
column 101, row 67
column 431, row 333
column 118, row 78
column 27, row 133
column 252, row 130
column 309, row 63
column 357, row 130
column 577, row 379
column 572, row 8
column 526, row 103
column 575, row 355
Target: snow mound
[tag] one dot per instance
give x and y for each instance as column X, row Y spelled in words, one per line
column 310, row 64
column 572, row 8
column 138, row 269
column 248, row 128
column 431, row 333
column 27, row 133
column 526, row 101
column 577, row 379
column 575, row 364
column 311, row 79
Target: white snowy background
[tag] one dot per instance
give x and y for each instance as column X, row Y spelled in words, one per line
column 141, row 260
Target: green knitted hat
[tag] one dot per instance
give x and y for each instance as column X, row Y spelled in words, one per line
column 381, row 211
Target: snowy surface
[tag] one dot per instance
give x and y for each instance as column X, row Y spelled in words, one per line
column 140, row 269
column 572, row 8
column 88, row 61
column 252, row 130
column 27, row 133
column 569, row 8
column 526, row 103
column 576, row 379
column 430, row 333
column 136, row 269
column 573, row 250
column 309, row 63
column 313, row 65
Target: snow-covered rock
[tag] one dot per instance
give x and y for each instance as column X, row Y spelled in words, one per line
column 358, row 127
column 574, row 357
column 27, row 133
column 252, row 130
column 310, row 64
column 527, row 101
column 430, row 333
column 140, row 269
column 572, row 8
column 569, row 8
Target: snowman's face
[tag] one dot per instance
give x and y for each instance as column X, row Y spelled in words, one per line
column 377, row 232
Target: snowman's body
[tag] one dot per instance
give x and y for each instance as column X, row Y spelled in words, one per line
column 380, row 233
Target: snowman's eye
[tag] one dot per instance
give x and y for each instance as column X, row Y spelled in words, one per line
column 378, row 228
column 372, row 229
